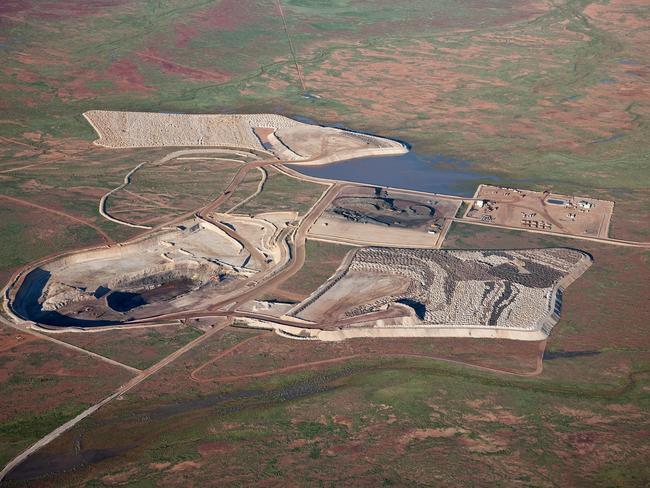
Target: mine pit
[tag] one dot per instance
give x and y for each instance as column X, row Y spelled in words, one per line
column 194, row 264
column 124, row 301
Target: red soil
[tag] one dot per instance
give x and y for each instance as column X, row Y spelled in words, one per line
column 58, row 10
column 229, row 15
column 152, row 56
column 443, row 72
column 127, row 77
column 518, row 11
column 212, row 448
column 78, row 220
column 14, row 6
column 12, row 340
column 274, row 355
column 184, row 34
column 46, row 364
column 123, row 74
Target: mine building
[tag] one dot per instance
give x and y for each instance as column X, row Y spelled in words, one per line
column 585, row 204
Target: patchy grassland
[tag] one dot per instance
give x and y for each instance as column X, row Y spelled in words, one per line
column 552, row 94
column 246, row 188
column 28, row 234
column 283, row 193
column 139, row 348
column 44, row 385
column 378, row 420
column 158, row 193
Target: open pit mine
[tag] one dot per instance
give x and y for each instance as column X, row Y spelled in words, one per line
column 197, row 264
column 206, row 263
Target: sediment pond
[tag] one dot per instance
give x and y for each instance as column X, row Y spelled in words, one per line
column 411, row 171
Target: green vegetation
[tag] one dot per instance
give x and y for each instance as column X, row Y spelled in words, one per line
column 158, row 193
column 461, row 210
column 393, row 414
column 283, row 193
column 246, row 188
column 139, row 348
column 20, row 432
column 627, row 475
column 24, row 239
column 509, row 126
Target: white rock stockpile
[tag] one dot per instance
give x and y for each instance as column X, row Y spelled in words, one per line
column 505, row 289
column 144, row 129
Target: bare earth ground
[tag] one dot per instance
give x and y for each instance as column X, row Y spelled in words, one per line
column 393, row 219
column 323, row 259
column 534, row 210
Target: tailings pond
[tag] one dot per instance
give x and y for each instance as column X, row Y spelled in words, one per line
column 411, row 171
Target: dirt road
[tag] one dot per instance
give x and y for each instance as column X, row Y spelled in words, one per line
column 266, row 280
column 297, row 247
column 260, row 187
column 34, row 335
column 195, row 374
column 291, row 48
column 239, row 176
column 256, row 255
column 603, row 240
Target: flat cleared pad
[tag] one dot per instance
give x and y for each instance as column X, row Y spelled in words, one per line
column 525, row 209
column 435, row 288
column 322, row 261
column 368, row 216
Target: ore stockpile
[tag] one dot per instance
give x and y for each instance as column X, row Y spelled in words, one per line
column 384, row 211
column 464, row 288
